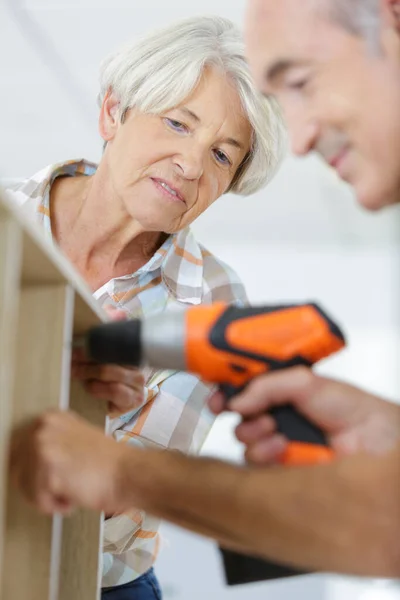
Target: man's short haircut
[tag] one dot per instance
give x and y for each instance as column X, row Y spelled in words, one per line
column 360, row 17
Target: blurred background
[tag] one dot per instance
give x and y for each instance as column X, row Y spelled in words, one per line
column 303, row 238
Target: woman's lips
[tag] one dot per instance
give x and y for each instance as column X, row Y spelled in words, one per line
column 168, row 189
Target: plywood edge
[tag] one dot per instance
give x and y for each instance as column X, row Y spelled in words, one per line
column 51, row 266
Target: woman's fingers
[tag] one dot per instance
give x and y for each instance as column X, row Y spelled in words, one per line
column 122, row 398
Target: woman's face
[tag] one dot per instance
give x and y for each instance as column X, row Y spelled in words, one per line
column 167, row 169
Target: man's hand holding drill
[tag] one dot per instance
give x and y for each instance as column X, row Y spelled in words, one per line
column 353, row 420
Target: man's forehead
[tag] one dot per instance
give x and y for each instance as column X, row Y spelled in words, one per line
column 286, row 10
column 287, row 19
column 283, row 31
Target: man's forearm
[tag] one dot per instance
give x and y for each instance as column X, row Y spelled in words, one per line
column 328, row 518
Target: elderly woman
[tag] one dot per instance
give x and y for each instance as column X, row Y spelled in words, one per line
column 182, row 124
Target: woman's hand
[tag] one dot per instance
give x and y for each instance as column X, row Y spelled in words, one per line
column 121, row 386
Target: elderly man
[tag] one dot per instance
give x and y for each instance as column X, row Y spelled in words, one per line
column 335, row 67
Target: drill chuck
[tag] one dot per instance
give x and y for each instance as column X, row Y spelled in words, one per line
column 119, row 342
column 158, row 341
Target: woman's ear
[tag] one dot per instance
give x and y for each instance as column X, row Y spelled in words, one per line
column 109, row 116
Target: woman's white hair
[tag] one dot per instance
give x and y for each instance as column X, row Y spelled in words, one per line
column 159, row 71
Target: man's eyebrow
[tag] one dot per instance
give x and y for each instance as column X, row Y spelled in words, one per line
column 278, row 68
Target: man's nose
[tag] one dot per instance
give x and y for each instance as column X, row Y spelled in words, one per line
column 303, row 132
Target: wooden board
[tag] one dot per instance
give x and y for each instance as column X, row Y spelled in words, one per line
column 80, row 562
column 44, row 558
column 31, row 550
column 10, row 264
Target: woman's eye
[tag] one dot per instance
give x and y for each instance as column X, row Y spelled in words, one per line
column 222, row 157
column 176, row 125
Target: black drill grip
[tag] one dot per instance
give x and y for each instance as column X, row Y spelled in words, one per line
column 295, row 427
column 240, row 568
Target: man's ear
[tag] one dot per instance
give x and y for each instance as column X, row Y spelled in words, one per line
column 392, row 9
column 109, row 116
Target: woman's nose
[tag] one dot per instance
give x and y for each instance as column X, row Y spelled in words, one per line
column 190, row 163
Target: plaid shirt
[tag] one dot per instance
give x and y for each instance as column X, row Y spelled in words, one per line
column 174, row 413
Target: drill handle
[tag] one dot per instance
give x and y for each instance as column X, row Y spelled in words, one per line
column 295, row 427
column 307, row 443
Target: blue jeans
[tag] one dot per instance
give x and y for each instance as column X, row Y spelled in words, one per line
column 145, row 587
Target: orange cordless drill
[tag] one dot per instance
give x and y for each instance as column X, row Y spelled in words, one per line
column 229, row 346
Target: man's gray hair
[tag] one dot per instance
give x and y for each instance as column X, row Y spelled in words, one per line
column 360, row 17
column 159, row 71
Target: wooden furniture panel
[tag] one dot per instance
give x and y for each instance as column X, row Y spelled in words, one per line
column 43, row 303
column 10, row 264
column 31, row 546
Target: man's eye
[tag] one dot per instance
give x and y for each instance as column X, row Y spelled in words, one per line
column 222, row 157
column 298, row 84
column 176, row 125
